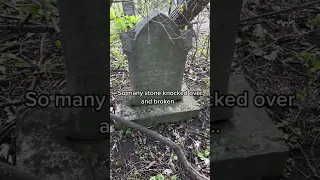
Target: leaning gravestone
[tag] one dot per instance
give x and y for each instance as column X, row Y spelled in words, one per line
column 128, row 8
column 157, row 51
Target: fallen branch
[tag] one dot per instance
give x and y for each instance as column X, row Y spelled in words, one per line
column 181, row 156
column 29, row 28
column 281, row 11
column 15, row 173
column 12, row 103
column 18, row 18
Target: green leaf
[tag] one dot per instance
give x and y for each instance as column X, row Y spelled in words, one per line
column 160, row 177
column 29, row 8
column 128, row 131
column 20, row 64
column 34, row 9
column 173, row 177
column 175, row 157
column 121, row 26
column 200, row 155
column 121, row 131
column 299, row 97
column 316, row 66
column 153, row 178
column 130, row 25
column 206, row 153
column 112, row 16
column 306, row 57
column 58, row 44
column 47, row 15
column 181, row 8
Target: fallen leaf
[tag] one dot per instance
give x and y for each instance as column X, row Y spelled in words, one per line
column 271, row 56
column 167, row 172
column 259, row 31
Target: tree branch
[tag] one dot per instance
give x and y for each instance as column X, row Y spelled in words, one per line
column 281, row 11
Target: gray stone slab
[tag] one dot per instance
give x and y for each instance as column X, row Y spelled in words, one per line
column 43, row 149
column 249, row 146
column 150, row 115
column 157, row 51
column 128, row 8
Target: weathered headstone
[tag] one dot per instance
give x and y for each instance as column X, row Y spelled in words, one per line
column 157, row 57
column 128, row 8
column 157, row 51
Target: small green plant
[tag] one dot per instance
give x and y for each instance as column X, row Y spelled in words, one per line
column 313, row 65
column 128, row 131
column 58, row 44
column 207, row 80
column 314, row 22
column 204, row 154
column 174, row 156
column 121, row 22
column 174, row 177
column 45, row 9
column 157, row 177
column 125, row 132
column 118, row 24
column 181, row 8
column 129, row 22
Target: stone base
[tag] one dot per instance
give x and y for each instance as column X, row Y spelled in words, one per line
column 150, row 115
column 249, row 145
column 43, row 149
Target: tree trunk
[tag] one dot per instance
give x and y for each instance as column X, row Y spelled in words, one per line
column 191, row 8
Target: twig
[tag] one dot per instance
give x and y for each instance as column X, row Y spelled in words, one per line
column 18, row 18
column 55, row 25
column 281, row 11
column 12, row 103
column 118, row 70
column 181, row 156
column 27, row 28
column 26, row 20
column 33, row 83
column 10, row 17
column 312, row 168
column 41, row 50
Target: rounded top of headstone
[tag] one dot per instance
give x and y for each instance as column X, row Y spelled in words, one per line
column 154, row 15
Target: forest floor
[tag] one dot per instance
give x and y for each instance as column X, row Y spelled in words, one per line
column 278, row 54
